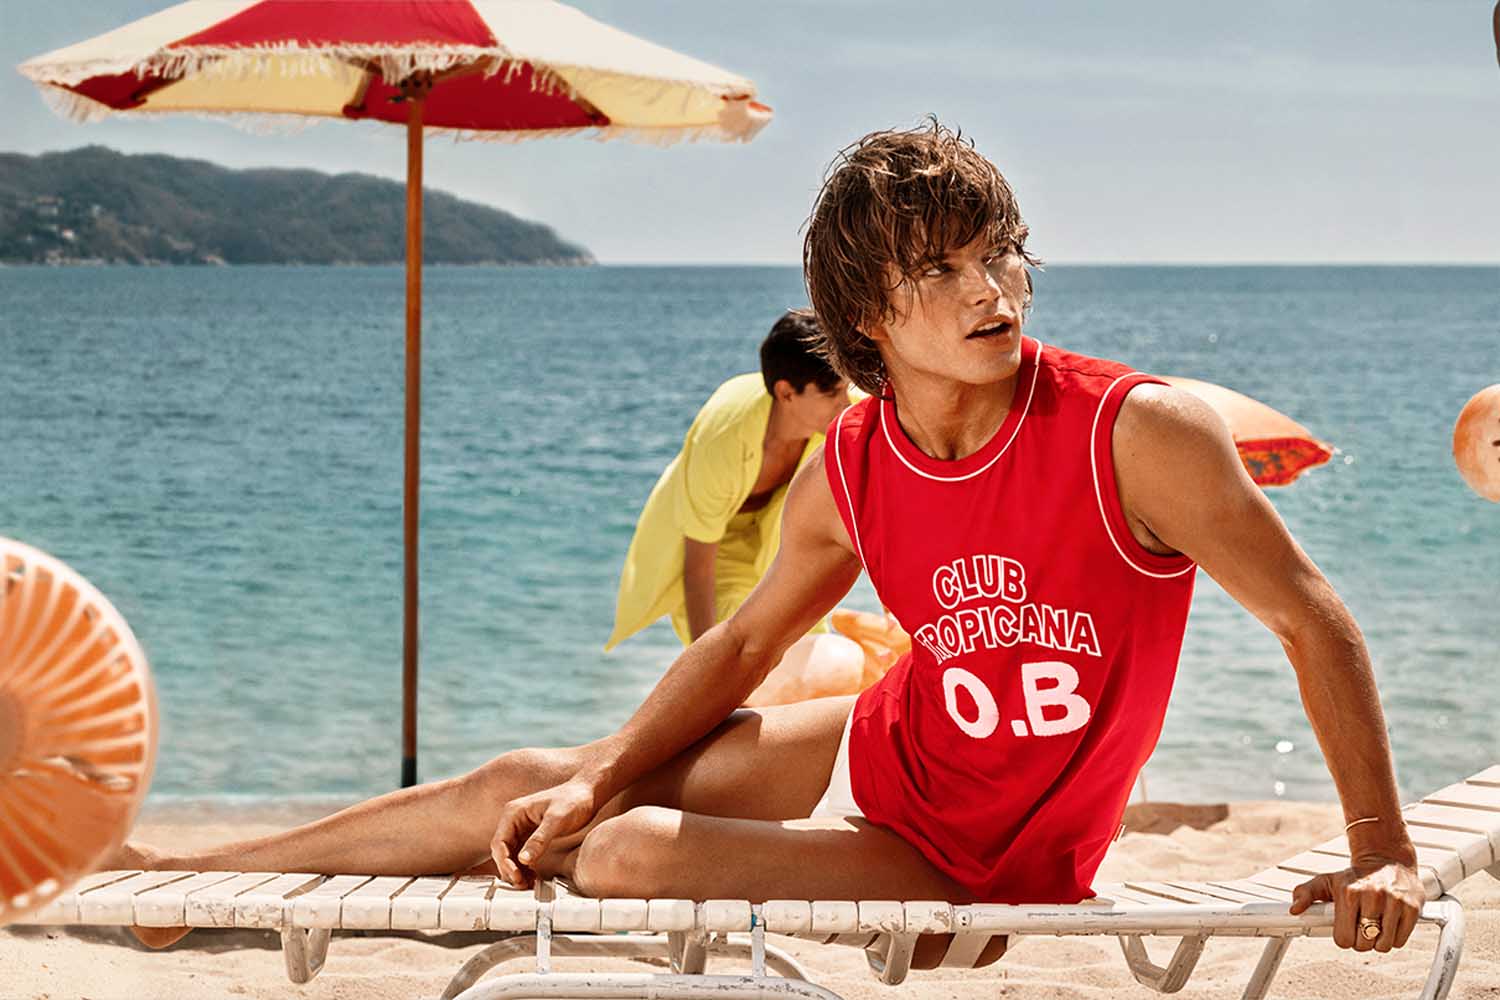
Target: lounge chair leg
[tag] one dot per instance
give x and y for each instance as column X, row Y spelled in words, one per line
column 1266, row 968
column 688, row 952
column 889, row 956
column 1448, row 914
column 492, row 955
column 1148, row 973
column 304, row 951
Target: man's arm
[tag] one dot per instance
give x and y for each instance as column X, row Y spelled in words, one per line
column 814, row 567
column 1183, row 488
column 698, row 584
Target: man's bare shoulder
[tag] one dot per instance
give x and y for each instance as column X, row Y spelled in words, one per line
column 1177, row 469
column 811, row 513
column 1160, row 423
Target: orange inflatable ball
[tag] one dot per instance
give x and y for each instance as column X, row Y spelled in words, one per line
column 1476, row 443
column 78, row 728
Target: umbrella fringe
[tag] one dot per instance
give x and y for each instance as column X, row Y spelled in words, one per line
column 73, row 106
column 76, row 107
column 291, row 60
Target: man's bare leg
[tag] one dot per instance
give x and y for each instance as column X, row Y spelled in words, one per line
column 446, row 826
column 653, row 851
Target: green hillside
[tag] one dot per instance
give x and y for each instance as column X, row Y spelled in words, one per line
column 96, row 205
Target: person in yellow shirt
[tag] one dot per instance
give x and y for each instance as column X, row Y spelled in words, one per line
column 712, row 523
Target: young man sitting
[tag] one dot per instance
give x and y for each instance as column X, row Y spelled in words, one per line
column 1033, row 517
column 712, row 523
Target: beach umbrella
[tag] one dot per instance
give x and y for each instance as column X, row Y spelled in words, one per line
column 504, row 69
column 1274, row 447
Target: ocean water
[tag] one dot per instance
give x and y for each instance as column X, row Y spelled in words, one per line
column 219, row 450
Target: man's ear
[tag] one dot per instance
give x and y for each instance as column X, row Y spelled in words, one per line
column 782, row 389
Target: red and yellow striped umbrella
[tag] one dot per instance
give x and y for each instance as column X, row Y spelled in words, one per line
column 501, row 69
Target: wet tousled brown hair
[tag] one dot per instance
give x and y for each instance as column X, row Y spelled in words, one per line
column 896, row 202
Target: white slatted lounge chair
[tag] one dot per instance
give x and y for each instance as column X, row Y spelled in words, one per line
column 1457, row 832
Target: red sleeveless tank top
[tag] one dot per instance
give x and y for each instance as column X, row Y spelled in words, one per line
column 1044, row 637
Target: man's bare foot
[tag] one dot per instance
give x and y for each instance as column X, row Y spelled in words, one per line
column 134, row 857
column 131, row 857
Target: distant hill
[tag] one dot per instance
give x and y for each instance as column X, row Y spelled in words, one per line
column 96, row 205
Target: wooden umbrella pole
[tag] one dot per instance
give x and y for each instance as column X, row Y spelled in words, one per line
column 415, row 93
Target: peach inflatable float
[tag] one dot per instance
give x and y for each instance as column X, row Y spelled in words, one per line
column 1476, row 443
column 78, row 728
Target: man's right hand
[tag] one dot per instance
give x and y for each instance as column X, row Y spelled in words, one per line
column 530, row 824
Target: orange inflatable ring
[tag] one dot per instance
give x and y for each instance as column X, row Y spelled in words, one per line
column 78, row 726
column 882, row 639
column 1476, row 443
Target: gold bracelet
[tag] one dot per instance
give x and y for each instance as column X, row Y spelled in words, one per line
column 1367, row 819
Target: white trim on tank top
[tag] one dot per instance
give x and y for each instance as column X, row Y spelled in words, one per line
column 885, row 425
column 1099, row 495
column 838, row 460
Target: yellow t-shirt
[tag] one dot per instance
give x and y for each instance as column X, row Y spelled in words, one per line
column 696, row 497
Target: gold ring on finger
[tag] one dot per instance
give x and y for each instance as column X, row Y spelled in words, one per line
column 1369, row 928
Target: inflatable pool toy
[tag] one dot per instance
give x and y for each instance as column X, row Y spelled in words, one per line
column 1476, row 443
column 1274, row 448
column 879, row 636
column 816, row 666
column 78, row 726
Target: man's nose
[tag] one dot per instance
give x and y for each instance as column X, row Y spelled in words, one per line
column 982, row 285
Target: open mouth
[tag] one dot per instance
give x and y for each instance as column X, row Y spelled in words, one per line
column 991, row 328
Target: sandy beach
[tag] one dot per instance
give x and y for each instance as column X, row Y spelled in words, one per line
column 1161, row 841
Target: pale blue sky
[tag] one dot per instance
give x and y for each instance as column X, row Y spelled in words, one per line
column 1155, row 131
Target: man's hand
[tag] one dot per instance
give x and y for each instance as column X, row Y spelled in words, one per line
column 530, row 824
column 1371, row 890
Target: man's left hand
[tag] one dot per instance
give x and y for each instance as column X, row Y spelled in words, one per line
column 1386, row 893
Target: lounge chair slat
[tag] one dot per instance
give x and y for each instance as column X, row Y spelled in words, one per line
column 787, row 916
column 1220, row 892
column 1267, row 893
column 929, row 917
column 369, row 906
column 213, row 906
column 1489, row 776
column 1123, row 897
column 623, row 915
column 465, row 906
column 1310, row 863
column 64, row 909
column 670, row 914
column 1277, row 878
column 726, row 915
column 515, row 910
column 323, row 906
column 417, row 906
column 1438, row 868
column 1294, row 871
column 882, row 916
column 1474, row 850
column 114, row 904
column 569, row 913
column 1464, row 794
column 267, row 906
column 834, row 917
column 165, row 906
column 1456, row 818
column 1175, row 893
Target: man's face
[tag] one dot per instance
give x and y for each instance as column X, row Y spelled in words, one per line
column 959, row 321
column 813, row 409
